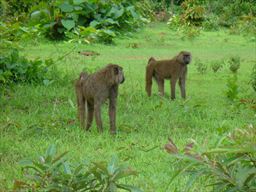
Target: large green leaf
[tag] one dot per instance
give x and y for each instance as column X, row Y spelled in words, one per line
column 116, row 12
column 68, row 24
column 78, row 2
column 65, row 7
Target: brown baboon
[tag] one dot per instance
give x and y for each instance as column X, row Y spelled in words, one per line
column 173, row 69
column 92, row 90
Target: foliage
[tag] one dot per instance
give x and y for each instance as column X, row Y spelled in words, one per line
column 193, row 12
column 216, row 66
column 234, row 63
column 232, row 88
column 231, row 11
column 105, row 18
column 253, row 77
column 200, row 66
column 229, row 166
column 54, row 172
column 211, row 23
column 174, row 22
column 245, row 25
column 15, row 68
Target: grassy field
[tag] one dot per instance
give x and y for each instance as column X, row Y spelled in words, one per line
column 33, row 117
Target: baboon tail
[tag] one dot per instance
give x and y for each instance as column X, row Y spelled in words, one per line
column 151, row 60
column 81, row 102
column 149, row 75
column 83, row 76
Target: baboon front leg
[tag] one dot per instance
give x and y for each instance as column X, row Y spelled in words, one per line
column 90, row 109
column 112, row 114
column 97, row 108
column 173, row 84
column 182, row 87
column 160, row 83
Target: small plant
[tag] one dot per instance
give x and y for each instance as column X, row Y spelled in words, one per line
column 200, row 66
column 232, row 88
column 234, row 63
column 228, row 166
column 216, row 66
column 54, row 173
column 189, row 32
column 253, row 78
column 15, row 68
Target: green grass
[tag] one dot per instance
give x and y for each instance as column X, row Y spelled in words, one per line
column 32, row 117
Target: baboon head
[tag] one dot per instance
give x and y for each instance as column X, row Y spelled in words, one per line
column 115, row 74
column 184, row 57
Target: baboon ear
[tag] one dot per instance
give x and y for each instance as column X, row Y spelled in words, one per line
column 116, row 70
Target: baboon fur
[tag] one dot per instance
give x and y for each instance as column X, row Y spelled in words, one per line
column 92, row 90
column 173, row 69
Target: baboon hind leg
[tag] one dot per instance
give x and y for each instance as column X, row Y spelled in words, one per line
column 97, row 112
column 90, row 111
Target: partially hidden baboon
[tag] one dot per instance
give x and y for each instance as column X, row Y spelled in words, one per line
column 173, row 69
column 92, row 90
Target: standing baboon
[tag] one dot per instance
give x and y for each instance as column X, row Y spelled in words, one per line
column 174, row 69
column 92, row 90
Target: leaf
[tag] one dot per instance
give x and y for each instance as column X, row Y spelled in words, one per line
column 123, row 171
column 94, row 23
column 244, row 174
column 67, row 169
column 26, row 162
column 68, row 24
column 78, row 2
column 50, row 152
column 112, row 165
column 171, row 147
column 116, row 12
column 65, row 7
column 129, row 188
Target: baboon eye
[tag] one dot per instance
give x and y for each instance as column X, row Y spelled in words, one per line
column 116, row 71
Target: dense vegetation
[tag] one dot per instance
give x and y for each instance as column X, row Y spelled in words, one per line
column 40, row 43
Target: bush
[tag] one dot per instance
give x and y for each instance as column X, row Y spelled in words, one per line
column 55, row 173
column 216, row 66
column 211, row 23
column 230, row 11
column 253, row 77
column 232, row 88
column 15, row 68
column 200, row 66
column 107, row 18
column 193, row 12
column 228, row 166
column 234, row 63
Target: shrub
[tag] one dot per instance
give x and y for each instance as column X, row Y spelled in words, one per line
column 234, row 63
column 55, row 173
column 15, row 68
column 216, row 66
column 232, row 88
column 253, row 77
column 228, row 166
column 193, row 12
column 200, row 66
column 211, row 23
column 107, row 18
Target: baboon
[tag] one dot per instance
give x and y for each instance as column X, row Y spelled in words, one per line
column 92, row 90
column 173, row 69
